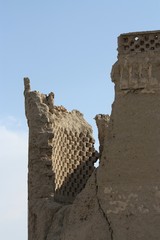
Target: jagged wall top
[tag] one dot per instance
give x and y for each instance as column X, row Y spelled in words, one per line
column 61, row 148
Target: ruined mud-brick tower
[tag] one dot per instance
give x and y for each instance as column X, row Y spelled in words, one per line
column 121, row 200
column 131, row 195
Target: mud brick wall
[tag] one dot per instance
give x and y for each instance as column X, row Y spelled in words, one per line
column 61, row 146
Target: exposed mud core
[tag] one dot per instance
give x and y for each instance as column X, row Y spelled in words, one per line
column 120, row 200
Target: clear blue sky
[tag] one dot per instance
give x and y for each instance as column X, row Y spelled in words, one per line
column 64, row 46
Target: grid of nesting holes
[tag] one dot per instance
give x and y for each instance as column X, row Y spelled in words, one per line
column 141, row 43
column 77, row 180
column 73, row 162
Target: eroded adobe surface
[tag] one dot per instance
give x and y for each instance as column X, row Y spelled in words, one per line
column 121, row 198
column 61, row 153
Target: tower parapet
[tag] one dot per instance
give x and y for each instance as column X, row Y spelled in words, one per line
column 138, row 62
column 139, row 42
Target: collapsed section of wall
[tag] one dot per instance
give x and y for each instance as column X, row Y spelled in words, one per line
column 65, row 139
column 61, row 152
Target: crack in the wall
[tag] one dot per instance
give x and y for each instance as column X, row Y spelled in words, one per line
column 101, row 209
column 57, row 216
column 51, row 222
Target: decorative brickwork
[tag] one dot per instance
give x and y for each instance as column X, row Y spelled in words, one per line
column 138, row 63
column 74, row 159
column 139, row 42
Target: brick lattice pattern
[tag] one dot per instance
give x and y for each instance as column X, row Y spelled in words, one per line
column 74, row 159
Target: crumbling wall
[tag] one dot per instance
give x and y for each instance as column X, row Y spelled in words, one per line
column 61, row 153
column 121, row 198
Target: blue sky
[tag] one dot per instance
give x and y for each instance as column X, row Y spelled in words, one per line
column 64, row 46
